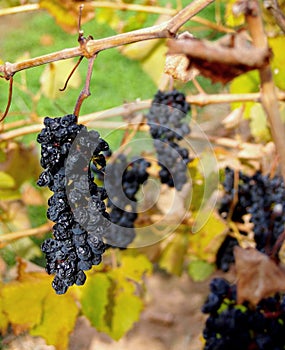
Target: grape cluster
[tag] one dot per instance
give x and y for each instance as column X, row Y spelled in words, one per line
column 234, row 326
column 77, row 205
column 166, row 128
column 122, row 181
column 264, row 199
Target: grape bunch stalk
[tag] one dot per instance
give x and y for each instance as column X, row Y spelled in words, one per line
column 73, row 248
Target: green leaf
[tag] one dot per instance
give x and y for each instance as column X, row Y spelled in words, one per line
column 108, row 299
column 95, row 298
column 58, row 319
column 172, row 257
column 245, row 83
column 199, row 270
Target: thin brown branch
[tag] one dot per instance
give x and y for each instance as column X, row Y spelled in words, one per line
column 166, row 29
column 128, row 108
column 7, row 237
column 268, row 90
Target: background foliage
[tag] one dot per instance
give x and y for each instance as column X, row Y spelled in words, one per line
column 113, row 297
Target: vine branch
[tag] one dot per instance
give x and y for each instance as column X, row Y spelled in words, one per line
column 166, row 29
column 7, row 237
column 268, row 90
column 129, row 108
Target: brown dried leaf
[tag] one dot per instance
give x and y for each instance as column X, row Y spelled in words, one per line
column 177, row 67
column 258, row 276
column 223, row 60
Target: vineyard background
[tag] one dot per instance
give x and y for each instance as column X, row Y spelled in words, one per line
column 166, row 283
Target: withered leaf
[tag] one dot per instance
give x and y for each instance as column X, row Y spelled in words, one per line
column 222, row 60
column 258, row 276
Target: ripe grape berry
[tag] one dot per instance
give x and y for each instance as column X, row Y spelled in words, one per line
column 263, row 198
column 73, row 248
column 166, row 128
column 234, row 326
column 122, row 180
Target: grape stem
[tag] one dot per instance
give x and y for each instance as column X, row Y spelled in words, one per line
column 86, row 90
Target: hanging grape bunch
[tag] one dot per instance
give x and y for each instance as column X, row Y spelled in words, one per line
column 122, row 180
column 241, row 326
column 72, row 250
column 166, row 128
column 263, row 198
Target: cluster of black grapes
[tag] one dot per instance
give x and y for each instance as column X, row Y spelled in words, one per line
column 166, row 128
column 77, row 205
column 242, row 327
column 122, row 181
column 263, row 198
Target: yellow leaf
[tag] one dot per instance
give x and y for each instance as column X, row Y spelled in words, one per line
column 172, row 257
column 54, row 77
column 134, row 267
column 153, row 64
column 231, row 19
column 22, row 301
column 258, row 124
column 6, row 181
column 205, row 243
column 4, row 322
column 127, row 311
column 66, row 13
column 278, row 63
column 58, row 320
